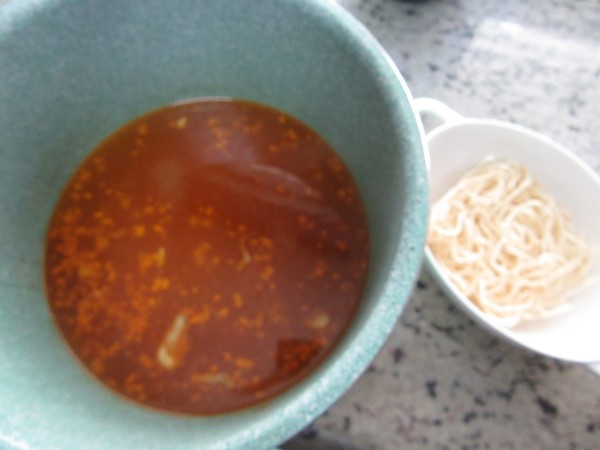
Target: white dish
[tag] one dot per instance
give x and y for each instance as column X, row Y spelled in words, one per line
column 460, row 143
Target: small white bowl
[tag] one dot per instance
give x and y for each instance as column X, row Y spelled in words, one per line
column 460, row 143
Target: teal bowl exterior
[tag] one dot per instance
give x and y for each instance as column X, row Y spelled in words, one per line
column 74, row 70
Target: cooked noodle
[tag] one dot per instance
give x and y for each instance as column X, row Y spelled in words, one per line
column 506, row 245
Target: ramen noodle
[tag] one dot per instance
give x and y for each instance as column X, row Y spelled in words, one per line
column 506, row 244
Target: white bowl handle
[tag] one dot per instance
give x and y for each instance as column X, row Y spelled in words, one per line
column 441, row 112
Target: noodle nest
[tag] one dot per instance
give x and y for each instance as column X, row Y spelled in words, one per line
column 506, row 244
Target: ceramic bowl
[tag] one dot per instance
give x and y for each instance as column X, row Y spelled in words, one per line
column 75, row 70
column 457, row 145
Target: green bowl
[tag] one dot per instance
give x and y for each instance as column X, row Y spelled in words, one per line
column 74, row 70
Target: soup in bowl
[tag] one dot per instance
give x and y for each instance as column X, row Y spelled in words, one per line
column 74, row 72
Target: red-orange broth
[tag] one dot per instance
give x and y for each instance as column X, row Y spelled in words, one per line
column 207, row 256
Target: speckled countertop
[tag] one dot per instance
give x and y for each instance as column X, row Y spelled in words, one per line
column 440, row 382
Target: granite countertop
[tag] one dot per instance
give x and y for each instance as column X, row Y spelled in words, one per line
column 441, row 382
